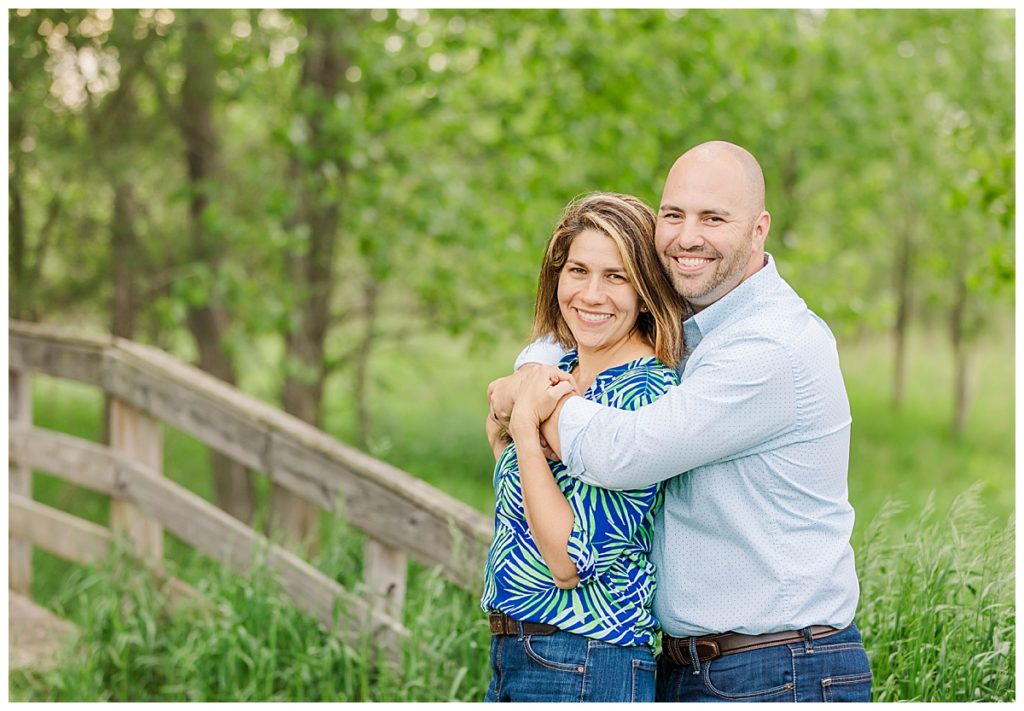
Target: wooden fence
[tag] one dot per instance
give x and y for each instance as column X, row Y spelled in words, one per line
column 402, row 516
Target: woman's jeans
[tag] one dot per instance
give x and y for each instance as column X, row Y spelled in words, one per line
column 833, row 668
column 568, row 667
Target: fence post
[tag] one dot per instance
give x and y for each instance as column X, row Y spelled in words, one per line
column 139, row 437
column 384, row 573
column 19, row 481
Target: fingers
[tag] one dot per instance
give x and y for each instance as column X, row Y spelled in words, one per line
column 561, row 389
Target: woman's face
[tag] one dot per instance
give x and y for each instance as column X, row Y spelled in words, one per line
column 595, row 297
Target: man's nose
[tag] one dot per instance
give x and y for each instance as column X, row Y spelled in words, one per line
column 689, row 234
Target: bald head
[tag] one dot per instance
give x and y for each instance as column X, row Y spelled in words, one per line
column 723, row 152
column 712, row 224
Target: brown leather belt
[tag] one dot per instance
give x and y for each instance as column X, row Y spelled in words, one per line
column 502, row 624
column 719, row 645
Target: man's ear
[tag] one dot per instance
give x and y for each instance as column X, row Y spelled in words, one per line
column 759, row 232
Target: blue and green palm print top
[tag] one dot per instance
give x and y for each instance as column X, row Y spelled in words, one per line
column 610, row 540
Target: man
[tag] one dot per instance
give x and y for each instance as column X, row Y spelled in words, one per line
column 756, row 578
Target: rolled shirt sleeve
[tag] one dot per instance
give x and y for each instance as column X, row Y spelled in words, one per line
column 749, row 380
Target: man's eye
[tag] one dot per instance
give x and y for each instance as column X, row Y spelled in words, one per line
column 714, row 219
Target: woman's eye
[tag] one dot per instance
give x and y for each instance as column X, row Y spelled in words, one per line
column 617, row 278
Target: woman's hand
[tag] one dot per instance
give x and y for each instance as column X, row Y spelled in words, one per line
column 503, row 392
column 539, row 394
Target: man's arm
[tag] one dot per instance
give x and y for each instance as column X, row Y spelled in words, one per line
column 731, row 402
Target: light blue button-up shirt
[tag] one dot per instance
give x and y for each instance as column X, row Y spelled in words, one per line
column 754, row 443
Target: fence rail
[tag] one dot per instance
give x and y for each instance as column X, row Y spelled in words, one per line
column 401, row 515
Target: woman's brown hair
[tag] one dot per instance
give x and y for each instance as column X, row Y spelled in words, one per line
column 630, row 224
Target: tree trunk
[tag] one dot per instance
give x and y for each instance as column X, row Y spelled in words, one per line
column 902, row 277
column 123, row 267
column 362, row 365
column 956, row 323
column 787, row 208
column 18, row 307
column 291, row 516
column 17, row 237
column 208, row 322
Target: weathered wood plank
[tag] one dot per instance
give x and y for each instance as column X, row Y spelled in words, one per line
column 60, row 533
column 389, row 504
column 19, row 481
column 453, row 539
column 47, row 350
column 385, row 569
column 84, row 542
column 392, row 506
column 185, row 403
column 78, row 461
column 138, row 437
column 230, row 542
column 36, row 637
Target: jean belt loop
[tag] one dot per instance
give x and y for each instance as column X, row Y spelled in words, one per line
column 694, row 660
column 519, row 629
column 808, row 640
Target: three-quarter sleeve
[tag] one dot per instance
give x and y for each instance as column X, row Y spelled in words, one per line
column 607, row 523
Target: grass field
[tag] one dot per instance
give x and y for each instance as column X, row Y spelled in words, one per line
column 937, row 578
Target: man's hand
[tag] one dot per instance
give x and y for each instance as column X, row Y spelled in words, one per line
column 503, row 392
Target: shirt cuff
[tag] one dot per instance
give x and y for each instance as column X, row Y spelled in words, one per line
column 577, row 412
column 581, row 554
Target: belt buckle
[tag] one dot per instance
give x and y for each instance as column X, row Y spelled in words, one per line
column 705, row 644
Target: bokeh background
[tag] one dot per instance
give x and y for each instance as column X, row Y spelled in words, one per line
column 343, row 212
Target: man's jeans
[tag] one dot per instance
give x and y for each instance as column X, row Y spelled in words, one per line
column 568, row 667
column 833, row 668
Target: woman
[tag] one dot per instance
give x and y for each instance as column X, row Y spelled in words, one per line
column 568, row 583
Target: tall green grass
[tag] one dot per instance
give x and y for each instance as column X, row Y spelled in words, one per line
column 936, row 571
column 937, row 616
column 937, row 604
column 247, row 642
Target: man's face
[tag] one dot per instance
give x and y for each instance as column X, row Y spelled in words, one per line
column 709, row 236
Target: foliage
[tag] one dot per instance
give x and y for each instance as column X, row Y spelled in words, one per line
column 456, row 136
column 936, row 613
column 246, row 642
column 937, row 605
column 450, row 147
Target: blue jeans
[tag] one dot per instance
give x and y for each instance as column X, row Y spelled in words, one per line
column 568, row 667
column 833, row 668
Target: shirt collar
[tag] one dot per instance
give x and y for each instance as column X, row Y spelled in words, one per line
column 747, row 292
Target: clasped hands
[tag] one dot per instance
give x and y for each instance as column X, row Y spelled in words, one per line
column 522, row 401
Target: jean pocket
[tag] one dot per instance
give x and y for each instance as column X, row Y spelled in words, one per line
column 557, row 652
column 763, row 674
column 643, row 689
column 853, row 687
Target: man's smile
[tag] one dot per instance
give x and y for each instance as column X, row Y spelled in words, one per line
column 690, row 263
